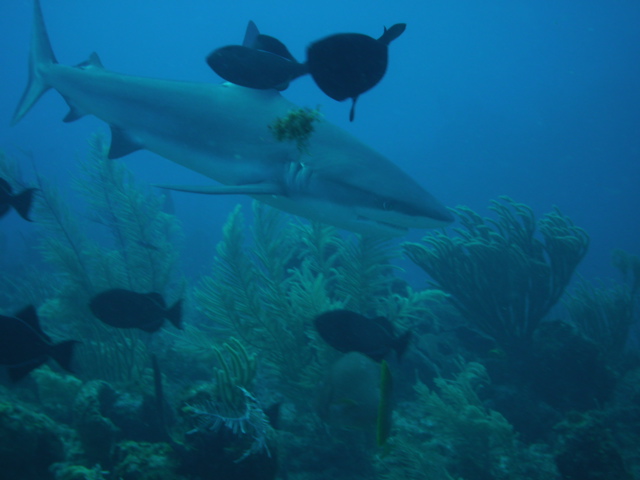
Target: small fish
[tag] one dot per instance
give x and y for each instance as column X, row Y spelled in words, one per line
column 348, row 331
column 20, row 202
column 344, row 65
column 126, row 309
column 24, row 346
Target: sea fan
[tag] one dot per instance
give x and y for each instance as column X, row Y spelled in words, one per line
column 247, row 420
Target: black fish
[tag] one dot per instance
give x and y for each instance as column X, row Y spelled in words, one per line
column 344, row 65
column 20, row 202
column 261, row 62
column 24, row 346
column 126, row 309
column 348, row 64
column 348, row 331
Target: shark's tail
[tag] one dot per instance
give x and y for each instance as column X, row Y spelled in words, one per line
column 40, row 57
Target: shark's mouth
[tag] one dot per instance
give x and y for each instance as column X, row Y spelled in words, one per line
column 379, row 225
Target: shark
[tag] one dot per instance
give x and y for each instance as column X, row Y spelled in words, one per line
column 222, row 131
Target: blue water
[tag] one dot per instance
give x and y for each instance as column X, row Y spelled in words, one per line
column 537, row 100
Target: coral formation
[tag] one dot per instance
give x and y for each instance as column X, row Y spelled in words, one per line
column 605, row 315
column 499, row 274
column 454, row 435
column 266, row 295
column 564, row 407
column 97, row 433
column 142, row 256
column 30, row 443
column 231, row 405
column 587, row 450
column 145, row 461
column 351, row 395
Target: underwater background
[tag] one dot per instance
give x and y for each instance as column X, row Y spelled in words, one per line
column 536, row 101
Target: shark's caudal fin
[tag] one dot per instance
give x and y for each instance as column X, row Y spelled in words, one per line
column 40, row 56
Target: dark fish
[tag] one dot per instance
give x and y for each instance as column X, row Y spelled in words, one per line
column 348, row 331
column 261, row 62
column 126, row 309
column 346, row 65
column 273, row 414
column 20, row 202
column 24, row 346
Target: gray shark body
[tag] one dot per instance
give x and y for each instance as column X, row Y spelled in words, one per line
column 222, row 131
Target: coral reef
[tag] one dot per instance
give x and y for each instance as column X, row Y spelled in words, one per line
column 487, row 390
column 231, row 405
column 499, row 274
column 351, row 395
column 56, row 391
column 266, row 295
column 143, row 259
column 453, row 435
column 64, row 471
column 587, row 450
column 145, row 461
column 97, row 433
column 605, row 314
column 30, row 443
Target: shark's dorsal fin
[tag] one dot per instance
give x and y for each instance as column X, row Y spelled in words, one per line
column 121, row 143
column 251, row 189
column 92, row 62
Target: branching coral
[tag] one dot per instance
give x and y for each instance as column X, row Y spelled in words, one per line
column 250, row 293
column 232, row 406
column 450, row 432
column 234, row 375
column 267, row 291
column 247, row 422
column 499, row 274
column 605, row 314
column 29, row 442
column 142, row 260
column 144, row 235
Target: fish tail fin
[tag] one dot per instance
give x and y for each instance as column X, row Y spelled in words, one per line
column 402, row 343
column 174, row 314
column 40, row 58
column 22, row 203
column 63, row 353
column 18, row 373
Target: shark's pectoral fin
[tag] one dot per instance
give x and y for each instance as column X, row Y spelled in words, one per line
column 121, row 143
column 73, row 115
column 251, row 189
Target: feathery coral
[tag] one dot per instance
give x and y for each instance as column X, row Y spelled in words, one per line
column 499, row 274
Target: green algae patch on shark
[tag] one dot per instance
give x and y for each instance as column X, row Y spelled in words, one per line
column 296, row 126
